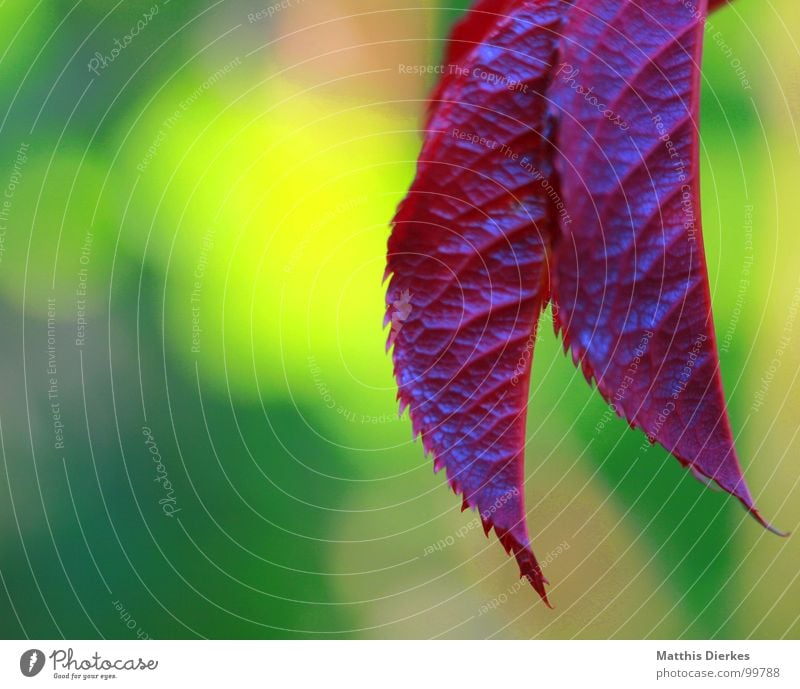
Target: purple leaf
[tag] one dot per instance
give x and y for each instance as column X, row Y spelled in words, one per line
column 560, row 159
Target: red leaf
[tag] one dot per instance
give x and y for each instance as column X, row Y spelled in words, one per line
column 564, row 138
column 631, row 277
column 469, row 254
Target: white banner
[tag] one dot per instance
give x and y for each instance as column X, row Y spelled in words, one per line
column 401, row 664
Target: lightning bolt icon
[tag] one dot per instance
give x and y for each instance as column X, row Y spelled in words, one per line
column 32, row 660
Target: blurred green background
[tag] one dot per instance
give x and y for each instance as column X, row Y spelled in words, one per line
column 198, row 419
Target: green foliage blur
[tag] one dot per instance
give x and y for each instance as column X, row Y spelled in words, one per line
column 198, row 420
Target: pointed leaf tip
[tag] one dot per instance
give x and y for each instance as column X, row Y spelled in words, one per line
column 526, row 191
